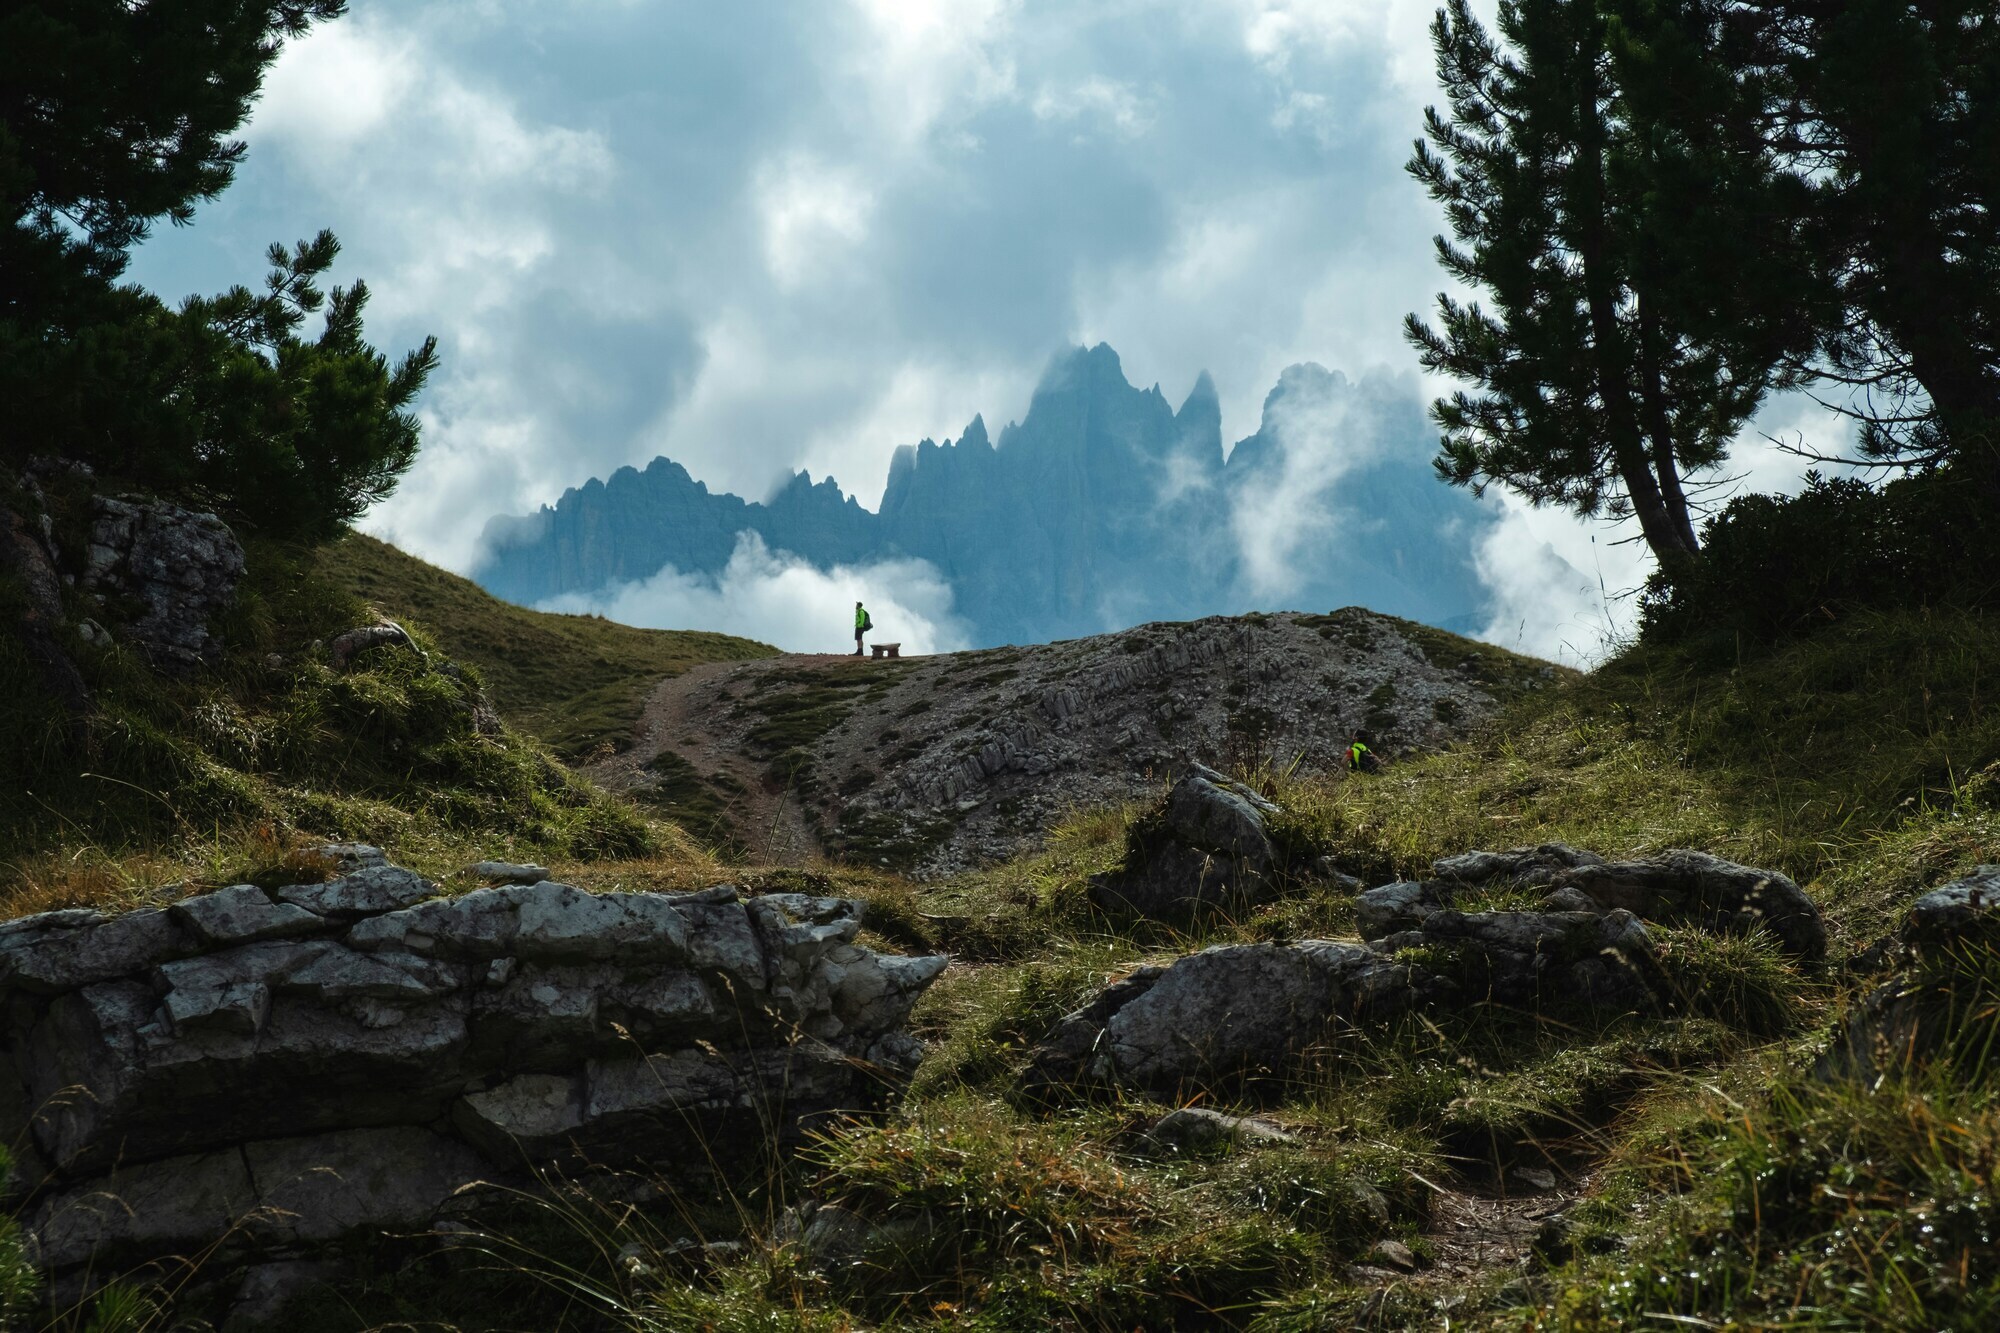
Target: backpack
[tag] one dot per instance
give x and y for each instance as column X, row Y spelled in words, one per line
column 867, row 622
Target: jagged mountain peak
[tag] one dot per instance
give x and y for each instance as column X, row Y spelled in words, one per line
column 1102, row 506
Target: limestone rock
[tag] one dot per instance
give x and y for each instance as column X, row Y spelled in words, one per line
column 267, row 1290
column 390, row 1179
column 181, row 567
column 1251, row 1010
column 1403, row 905
column 1224, row 1013
column 243, row 914
column 1209, row 848
column 61, row 951
column 1965, row 908
column 366, row 889
column 1527, row 867
column 1694, row 886
column 1198, row 1129
column 345, row 647
column 348, row 857
column 507, row 872
column 280, row 1072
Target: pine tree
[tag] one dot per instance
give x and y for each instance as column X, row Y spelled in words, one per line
column 1613, row 229
column 1891, row 120
column 113, row 116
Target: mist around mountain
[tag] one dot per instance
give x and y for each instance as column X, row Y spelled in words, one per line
column 1105, row 506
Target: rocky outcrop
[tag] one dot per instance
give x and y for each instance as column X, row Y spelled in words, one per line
column 1944, row 997
column 1254, row 1010
column 1674, row 886
column 1240, row 1011
column 269, row 1071
column 1206, row 847
column 1964, row 910
column 164, row 572
column 1683, row 885
column 346, row 647
column 28, row 557
column 933, row 765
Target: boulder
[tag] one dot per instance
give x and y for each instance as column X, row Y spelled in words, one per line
column 1964, row 909
column 1213, row 1018
column 1682, row 885
column 1403, row 905
column 178, row 567
column 346, row 647
column 1228, row 1012
column 280, row 1072
column 1942, row 996
column 1207, row 847
column 1198, row 1129
column 1540, row 959
column 1527, row 867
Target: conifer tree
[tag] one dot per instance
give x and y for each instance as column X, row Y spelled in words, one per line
column 1890, row 118
column 1608, row 368
column 114, row 115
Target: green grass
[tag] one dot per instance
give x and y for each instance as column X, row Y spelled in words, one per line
column 1723, row 1183
column 576, row 682
column 171, row 782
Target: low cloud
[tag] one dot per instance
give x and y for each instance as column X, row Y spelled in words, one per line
column 777, row 598
column 1325, row 431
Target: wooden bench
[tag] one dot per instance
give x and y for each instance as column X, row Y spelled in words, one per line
column 887, row 649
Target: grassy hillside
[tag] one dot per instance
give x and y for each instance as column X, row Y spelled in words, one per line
column 575, row 682
column 1705, row 1175
column 167, row 782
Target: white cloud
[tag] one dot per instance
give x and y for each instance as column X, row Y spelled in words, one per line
column 1112, row 103
column 1562, row 589
column 776, row 598
column 1324, row 434
column 811, row 213
column 755, row 238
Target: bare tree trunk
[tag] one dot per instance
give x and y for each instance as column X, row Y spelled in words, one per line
column 1611, row 365
column 1652, row 397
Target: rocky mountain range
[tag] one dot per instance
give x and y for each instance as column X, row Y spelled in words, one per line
column 1103, row 507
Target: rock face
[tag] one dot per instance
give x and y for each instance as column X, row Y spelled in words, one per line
column 174, row 567
column 1104, row 506
column 1208, row 847
column 343, row 1057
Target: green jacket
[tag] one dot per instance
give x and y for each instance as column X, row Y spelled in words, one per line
column 860, row 616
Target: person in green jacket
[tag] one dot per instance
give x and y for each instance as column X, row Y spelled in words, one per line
column 1361, row 759
column 862, row 624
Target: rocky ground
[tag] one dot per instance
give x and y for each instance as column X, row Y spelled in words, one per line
column 933, row 765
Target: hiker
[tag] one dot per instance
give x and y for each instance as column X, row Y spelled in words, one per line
column 1361, row 759
column 862, row 624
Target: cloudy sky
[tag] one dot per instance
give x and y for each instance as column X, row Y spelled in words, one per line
column 765, row 235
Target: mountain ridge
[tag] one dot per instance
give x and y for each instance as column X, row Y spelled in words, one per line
column 1102, row 507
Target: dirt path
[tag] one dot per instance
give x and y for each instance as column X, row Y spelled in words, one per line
column 682, row 717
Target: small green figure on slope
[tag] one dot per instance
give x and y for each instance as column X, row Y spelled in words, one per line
column 862, row 624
